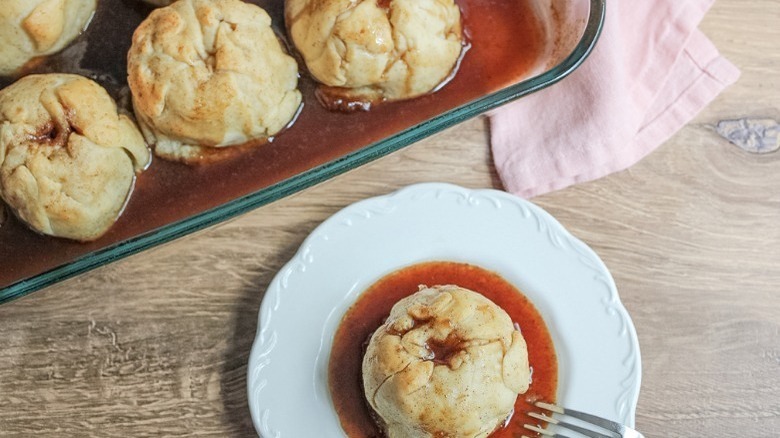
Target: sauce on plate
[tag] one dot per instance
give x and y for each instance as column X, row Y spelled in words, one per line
column 372, row 308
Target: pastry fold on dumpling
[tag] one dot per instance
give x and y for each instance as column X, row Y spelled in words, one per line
column 209, row 74
column 68, row 159
column 30, row 28
column 377, row 49
column 447, row 362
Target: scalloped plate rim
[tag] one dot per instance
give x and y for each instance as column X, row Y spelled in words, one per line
column 272, row 296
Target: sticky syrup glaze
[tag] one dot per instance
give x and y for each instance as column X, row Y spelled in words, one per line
column 373, row 307
column 507, row 41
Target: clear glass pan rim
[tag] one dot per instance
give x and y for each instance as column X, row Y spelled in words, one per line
column 318, row 174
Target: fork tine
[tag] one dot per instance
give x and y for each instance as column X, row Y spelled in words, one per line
column 542, row 431
column 598, row 421
column 555, row 435
column 575, row 428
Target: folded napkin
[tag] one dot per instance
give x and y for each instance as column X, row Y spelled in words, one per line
column 651, row 72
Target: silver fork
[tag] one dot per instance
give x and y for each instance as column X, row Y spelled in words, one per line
column 608, row 429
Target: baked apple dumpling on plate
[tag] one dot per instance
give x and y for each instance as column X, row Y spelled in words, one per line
column 447, row 362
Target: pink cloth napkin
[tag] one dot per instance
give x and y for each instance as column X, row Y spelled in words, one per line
column 651, row 72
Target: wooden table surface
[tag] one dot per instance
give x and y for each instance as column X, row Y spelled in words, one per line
column 157, row 344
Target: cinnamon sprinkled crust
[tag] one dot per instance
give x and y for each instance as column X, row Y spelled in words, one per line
column 447, row 362
column 210, row 73
column 392, row 50
column 67, row 159
column 30, row 28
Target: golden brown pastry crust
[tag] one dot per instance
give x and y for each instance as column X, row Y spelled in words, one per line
column 447, row 362
column 30, row 28
column 210, row 73
column 67, row 159
column 395, row 49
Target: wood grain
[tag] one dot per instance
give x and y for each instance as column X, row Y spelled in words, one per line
column 157, row 344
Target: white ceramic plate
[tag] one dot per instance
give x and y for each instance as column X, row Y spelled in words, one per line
column 596, row 344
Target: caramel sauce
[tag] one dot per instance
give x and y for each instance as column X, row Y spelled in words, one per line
column 506, row 39
column 372, row 308
column 384, row 4
column 444, row 350
column 339, row 99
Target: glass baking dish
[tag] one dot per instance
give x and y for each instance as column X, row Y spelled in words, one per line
column 318, row 146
